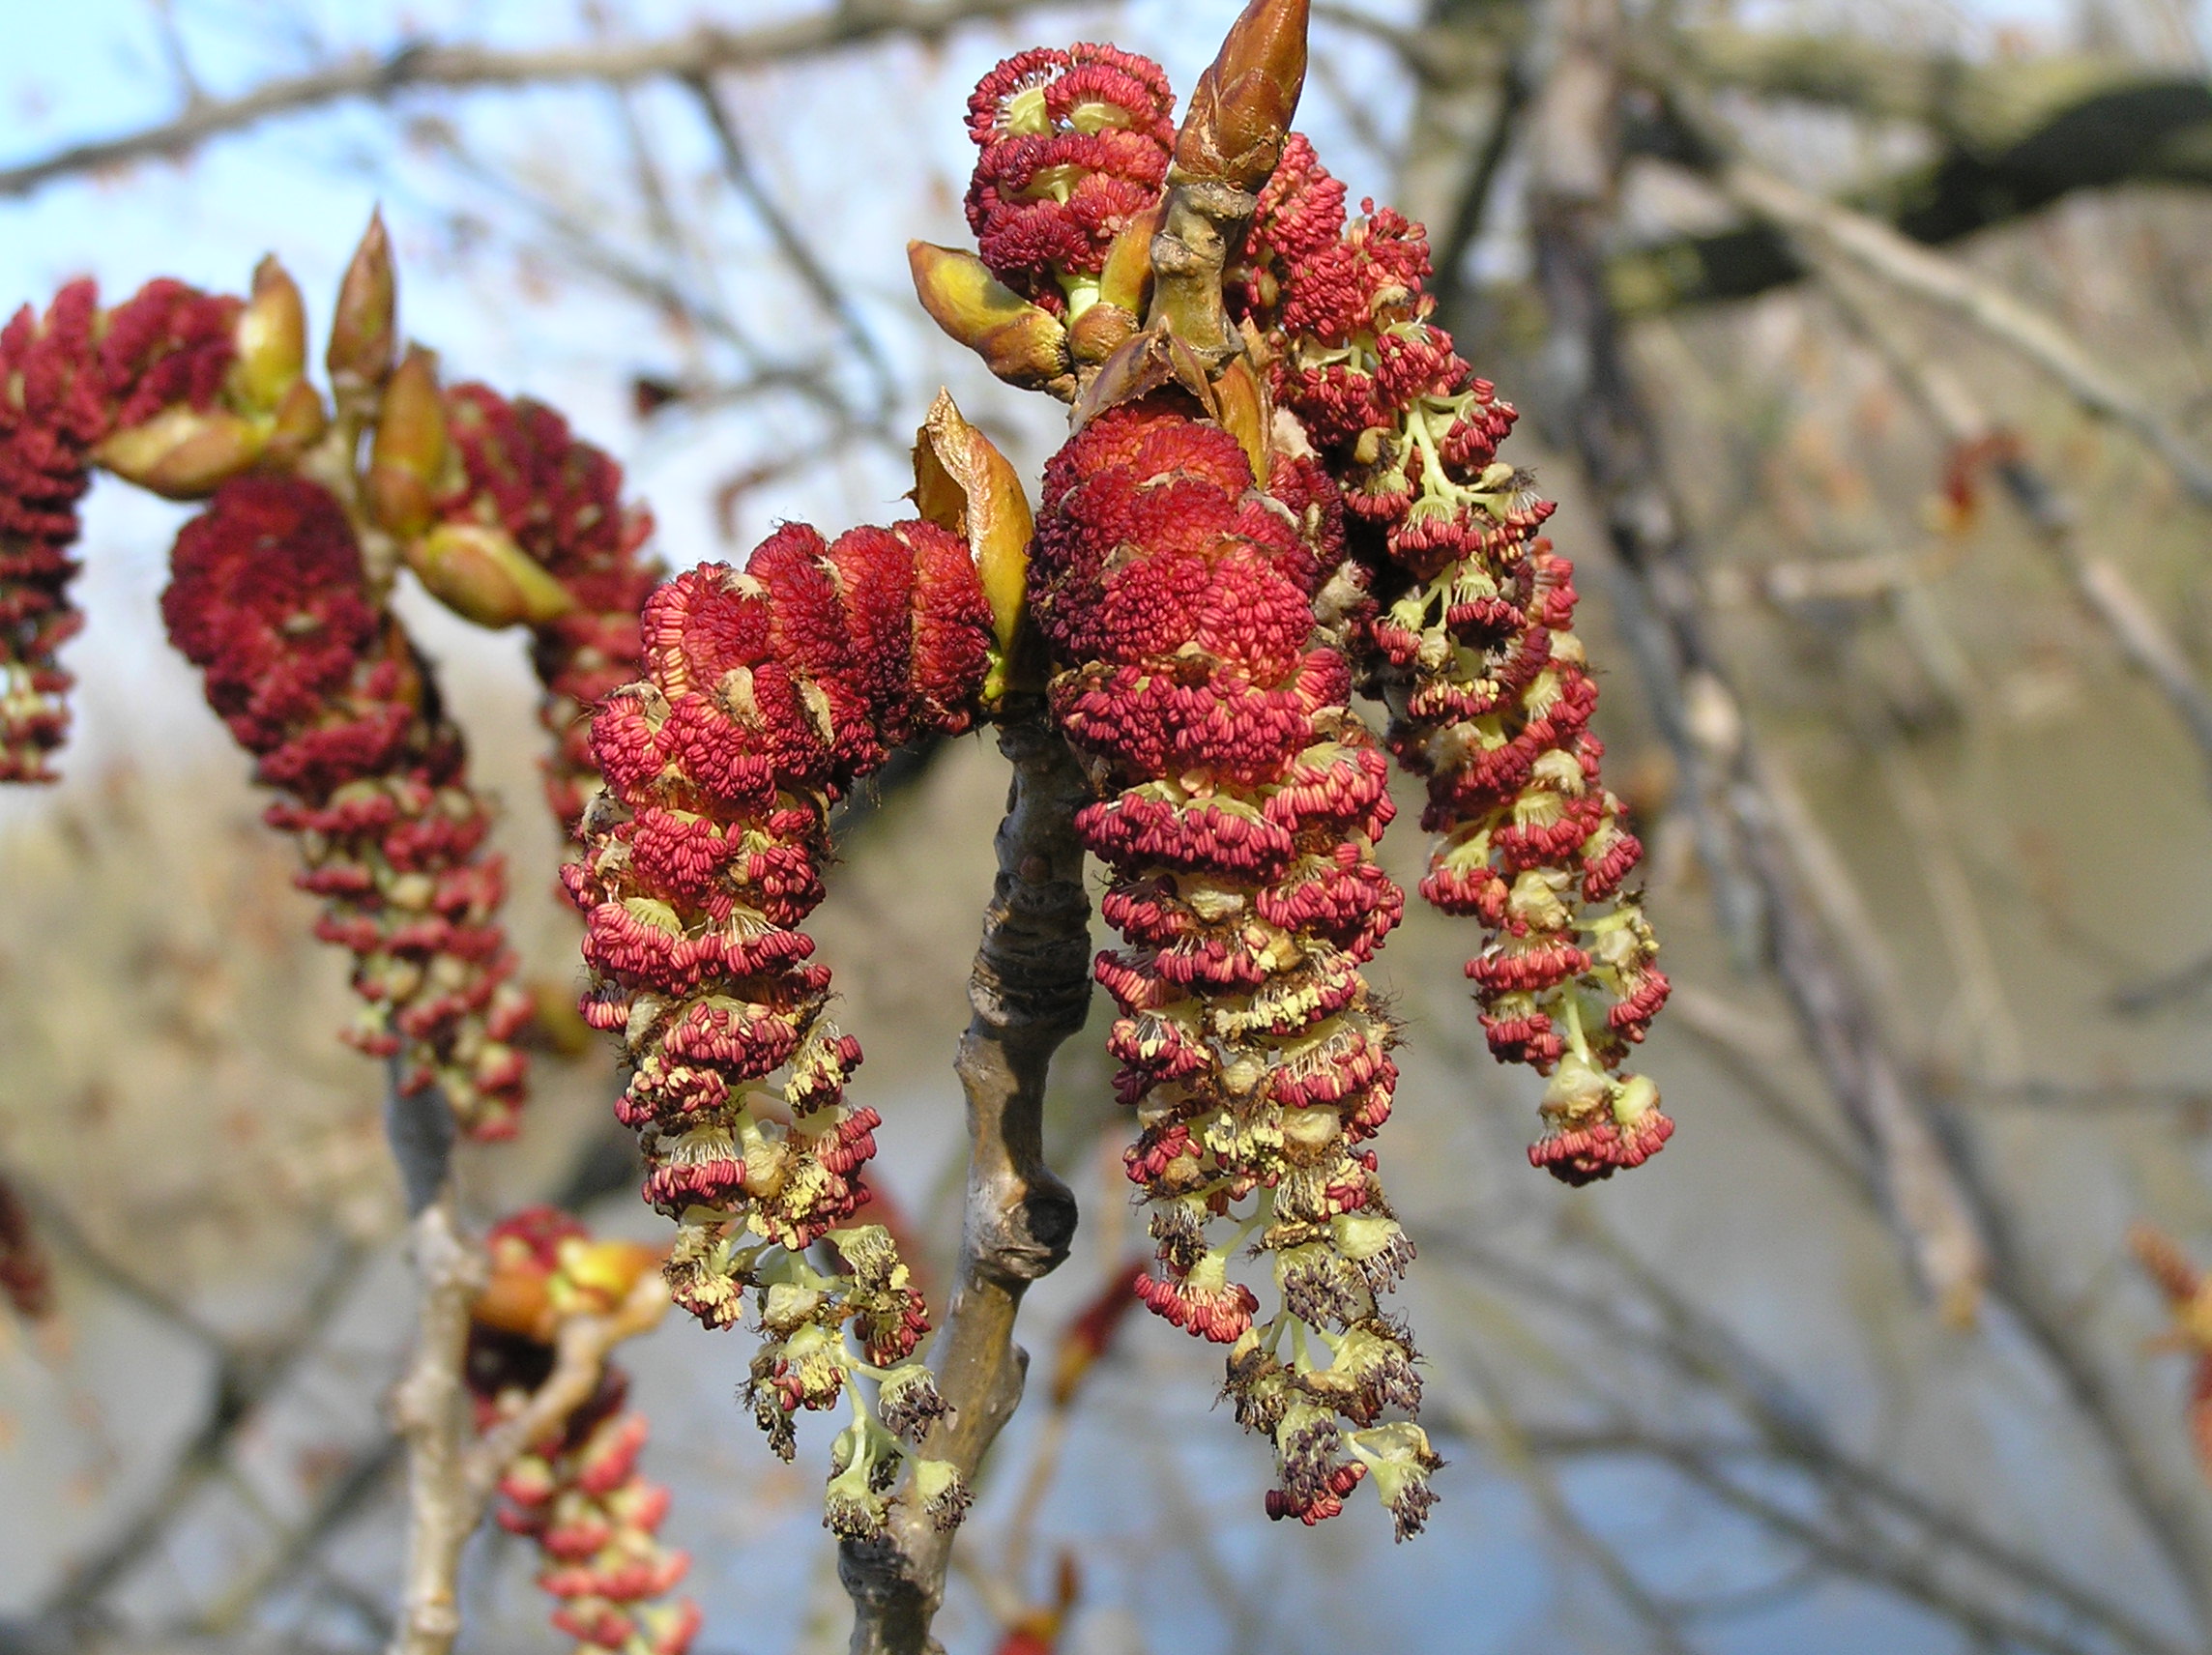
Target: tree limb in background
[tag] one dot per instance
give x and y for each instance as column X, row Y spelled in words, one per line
column 1960, row 1234
column 1897, row 261
column 1966, row 424
column 424, row 65
column 2019, row 135
column 1571, row 203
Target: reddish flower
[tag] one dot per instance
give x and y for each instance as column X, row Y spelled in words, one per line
column 268, row 598
column 1240, row 802
column 68, row 380
column 577, row 1492
column 1075, row 144
column 1469, row 640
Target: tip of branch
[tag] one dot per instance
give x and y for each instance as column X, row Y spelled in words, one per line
column 1241, row 110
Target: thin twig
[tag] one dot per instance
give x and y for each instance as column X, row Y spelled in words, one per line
column 1904, row 264
column 1031, row 989
column 1966, row 424
column 423, row 65
column 828, row 291
column 452, row 1472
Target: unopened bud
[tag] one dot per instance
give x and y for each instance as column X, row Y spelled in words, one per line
column 271, row 336
column 1241, row 107
column 302, row 419
column 362, row 335
column 408, row 454
column 1022, row 343
column 480, row 574
column 1240, row 405
column 1101, row 330
column 966, row 486
column 1128, row 268
column 517, row 1300
column 596, row 1276
column 182, row 452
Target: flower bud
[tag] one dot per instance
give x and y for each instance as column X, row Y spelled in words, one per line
column 1020, row 343
column 480, row 574
column 941, row 1492
column 272, row 335
column 182, row 452
column 302, row 419
column 966, row 486
column 1128, row 268
column 1101, row 330
column 596, row 1276
column 517, row 1300
column 409, row 452
column 1241, row 110
column 362, row 335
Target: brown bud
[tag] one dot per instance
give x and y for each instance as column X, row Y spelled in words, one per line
column 596, row 1276
column 1128, row 268
column 518, row 1300
column 481, row 574
column 184, row 453
column 1240, row 405
column 965, row 485
column 1099, row 332
column 1020, row 343
column 302, row 419
column 362, row 335
column 1241, row 107
column 407, row 457
column 270, row 334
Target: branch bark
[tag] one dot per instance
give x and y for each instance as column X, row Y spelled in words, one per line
column 1031, row 990
column 422, row 65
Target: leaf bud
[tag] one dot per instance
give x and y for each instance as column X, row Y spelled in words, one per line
column 966, row 486
column 1241, row 110
column 480, row 574
column 1020, row 343
column 182, row 452
column 271, row 337
column 408, row 453
column 361, row 335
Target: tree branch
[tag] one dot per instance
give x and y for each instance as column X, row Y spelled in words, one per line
column 452, row 1472
column 1030, row 988
column 2053, row 519
column 2021, row 136
column 1571, row 203
column 1899, row 261
column 421, row 66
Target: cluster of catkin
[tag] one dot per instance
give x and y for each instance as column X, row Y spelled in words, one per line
column 1465, row 637
column 768, row 692
column 278, row 592
column 1239, row 801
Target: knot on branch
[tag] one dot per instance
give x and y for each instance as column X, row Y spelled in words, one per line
column 1028, row 1236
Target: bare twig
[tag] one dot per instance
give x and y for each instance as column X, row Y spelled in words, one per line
column 1959, row 415
column 1030, row 988
column 827, row 292
column 1510, row 1443
column 1904, row 264
column 423, row 65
